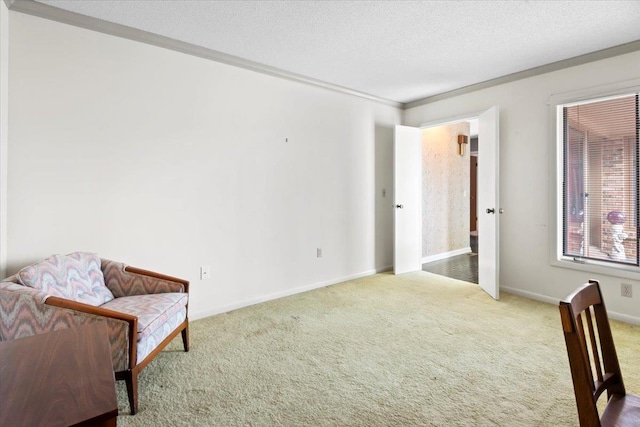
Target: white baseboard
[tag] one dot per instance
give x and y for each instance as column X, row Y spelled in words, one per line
column 623, row 318
column 246, row 303
column 444, row 255
column 530, row 295
column 288, row 292
column 555, row 301
column 383, row 269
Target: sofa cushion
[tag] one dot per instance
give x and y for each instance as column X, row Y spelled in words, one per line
column 152, row 310
column 151, row 342
column 76, row 276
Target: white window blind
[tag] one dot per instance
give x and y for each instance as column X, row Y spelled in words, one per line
column 600, row 182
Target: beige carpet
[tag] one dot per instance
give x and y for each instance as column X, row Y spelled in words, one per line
column 410, row 350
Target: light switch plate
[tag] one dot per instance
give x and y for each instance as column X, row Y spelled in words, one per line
column 205, row 272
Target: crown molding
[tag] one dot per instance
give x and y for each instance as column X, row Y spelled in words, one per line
column 32, row 7
column 46, row 11
column 536, row 71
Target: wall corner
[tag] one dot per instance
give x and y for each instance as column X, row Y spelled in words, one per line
column 4, row 134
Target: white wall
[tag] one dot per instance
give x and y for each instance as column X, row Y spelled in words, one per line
column 445, row 191
column 525, row 160
column 4, row 125
column 169, row 162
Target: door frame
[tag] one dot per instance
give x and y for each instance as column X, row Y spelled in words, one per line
column 452, row 119
column 473, row 192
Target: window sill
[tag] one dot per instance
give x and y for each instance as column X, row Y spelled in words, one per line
column 591, row 266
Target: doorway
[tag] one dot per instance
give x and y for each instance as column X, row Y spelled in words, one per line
column 455, row 253
column 473, row 187
column 408, row 205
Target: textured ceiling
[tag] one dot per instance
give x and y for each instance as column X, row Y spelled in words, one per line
column 396, row 50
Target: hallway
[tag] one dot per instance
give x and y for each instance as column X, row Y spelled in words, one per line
column 461, row 267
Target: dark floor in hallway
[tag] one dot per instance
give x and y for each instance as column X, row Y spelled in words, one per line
column 461, row 267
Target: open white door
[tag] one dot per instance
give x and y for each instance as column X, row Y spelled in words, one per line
column 407, row 190
column 488, row 202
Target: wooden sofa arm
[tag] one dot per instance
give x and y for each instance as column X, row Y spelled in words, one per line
column 116, row 339
column 124, row 280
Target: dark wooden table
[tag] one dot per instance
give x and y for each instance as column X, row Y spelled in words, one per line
column 62, row 378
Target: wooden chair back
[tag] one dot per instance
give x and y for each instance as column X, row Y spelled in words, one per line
column 592, row 354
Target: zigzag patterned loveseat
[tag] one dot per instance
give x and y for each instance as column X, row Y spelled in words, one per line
column 143, row 310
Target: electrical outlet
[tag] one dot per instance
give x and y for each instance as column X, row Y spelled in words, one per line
column 319, row 252
column 205, row 272
column 626, row 290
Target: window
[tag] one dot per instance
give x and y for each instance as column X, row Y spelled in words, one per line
column 599, row 205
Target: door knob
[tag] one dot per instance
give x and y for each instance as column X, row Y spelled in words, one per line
column 491, row 211
column 399, row 206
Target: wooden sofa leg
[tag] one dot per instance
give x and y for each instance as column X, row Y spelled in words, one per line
column 185, row 337
column 131, row 379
